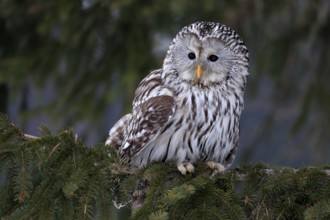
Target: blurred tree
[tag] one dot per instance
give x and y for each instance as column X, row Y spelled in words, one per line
column 3, row 98
column 91, row 51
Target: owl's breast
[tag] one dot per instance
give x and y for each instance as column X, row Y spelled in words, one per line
column 203, row 128
column 207, row 124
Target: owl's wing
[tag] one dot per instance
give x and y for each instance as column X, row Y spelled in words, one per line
column 153, row 107
column 118, row 132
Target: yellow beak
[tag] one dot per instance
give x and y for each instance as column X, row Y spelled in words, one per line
column 199, row 71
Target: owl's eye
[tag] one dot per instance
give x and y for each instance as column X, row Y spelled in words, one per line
column 191, row 56
column 213, row 58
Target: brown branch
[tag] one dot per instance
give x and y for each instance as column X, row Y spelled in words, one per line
column 241, row 176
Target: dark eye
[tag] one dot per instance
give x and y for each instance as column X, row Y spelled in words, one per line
column 213, row 58
column 191, row 56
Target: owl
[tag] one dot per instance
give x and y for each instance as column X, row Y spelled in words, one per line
column 188, row 111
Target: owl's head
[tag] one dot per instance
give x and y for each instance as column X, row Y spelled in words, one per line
column 206, row 53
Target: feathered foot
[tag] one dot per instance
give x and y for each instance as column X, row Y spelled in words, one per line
column 217, row 168
column 185, row 168
column 137, row 199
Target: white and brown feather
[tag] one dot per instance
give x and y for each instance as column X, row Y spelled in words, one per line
column 177, row 120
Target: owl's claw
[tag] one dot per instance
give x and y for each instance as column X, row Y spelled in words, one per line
column 185, row 168
column 217, row 167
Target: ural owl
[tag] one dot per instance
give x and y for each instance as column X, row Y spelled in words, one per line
column 189, row 110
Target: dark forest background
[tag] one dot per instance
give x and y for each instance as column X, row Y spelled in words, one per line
column 77, row 64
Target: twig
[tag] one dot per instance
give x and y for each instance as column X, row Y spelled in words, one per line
column 119, row 169
column 30, row 137
column 241, row 176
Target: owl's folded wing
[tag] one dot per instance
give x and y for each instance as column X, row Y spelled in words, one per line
column 153, row 107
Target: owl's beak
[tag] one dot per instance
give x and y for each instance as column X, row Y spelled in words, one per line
column 199, row 71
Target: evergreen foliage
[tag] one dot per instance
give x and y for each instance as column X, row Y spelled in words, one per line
column 52, row 177
column 57, row 177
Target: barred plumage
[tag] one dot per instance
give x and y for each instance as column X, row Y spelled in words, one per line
column 189, row 110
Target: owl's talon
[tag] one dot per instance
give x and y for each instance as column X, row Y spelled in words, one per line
column 185, row 168
column 217, row 167
column 182, row 169
column 190, row 168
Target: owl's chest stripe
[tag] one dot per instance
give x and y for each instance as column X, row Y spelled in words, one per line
column 208, row 128
column 178, row 124
column 190, row 146
column 167, row 148
column 193, row 107
column 167, row 127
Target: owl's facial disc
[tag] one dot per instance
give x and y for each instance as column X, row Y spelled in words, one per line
column 202, row 61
